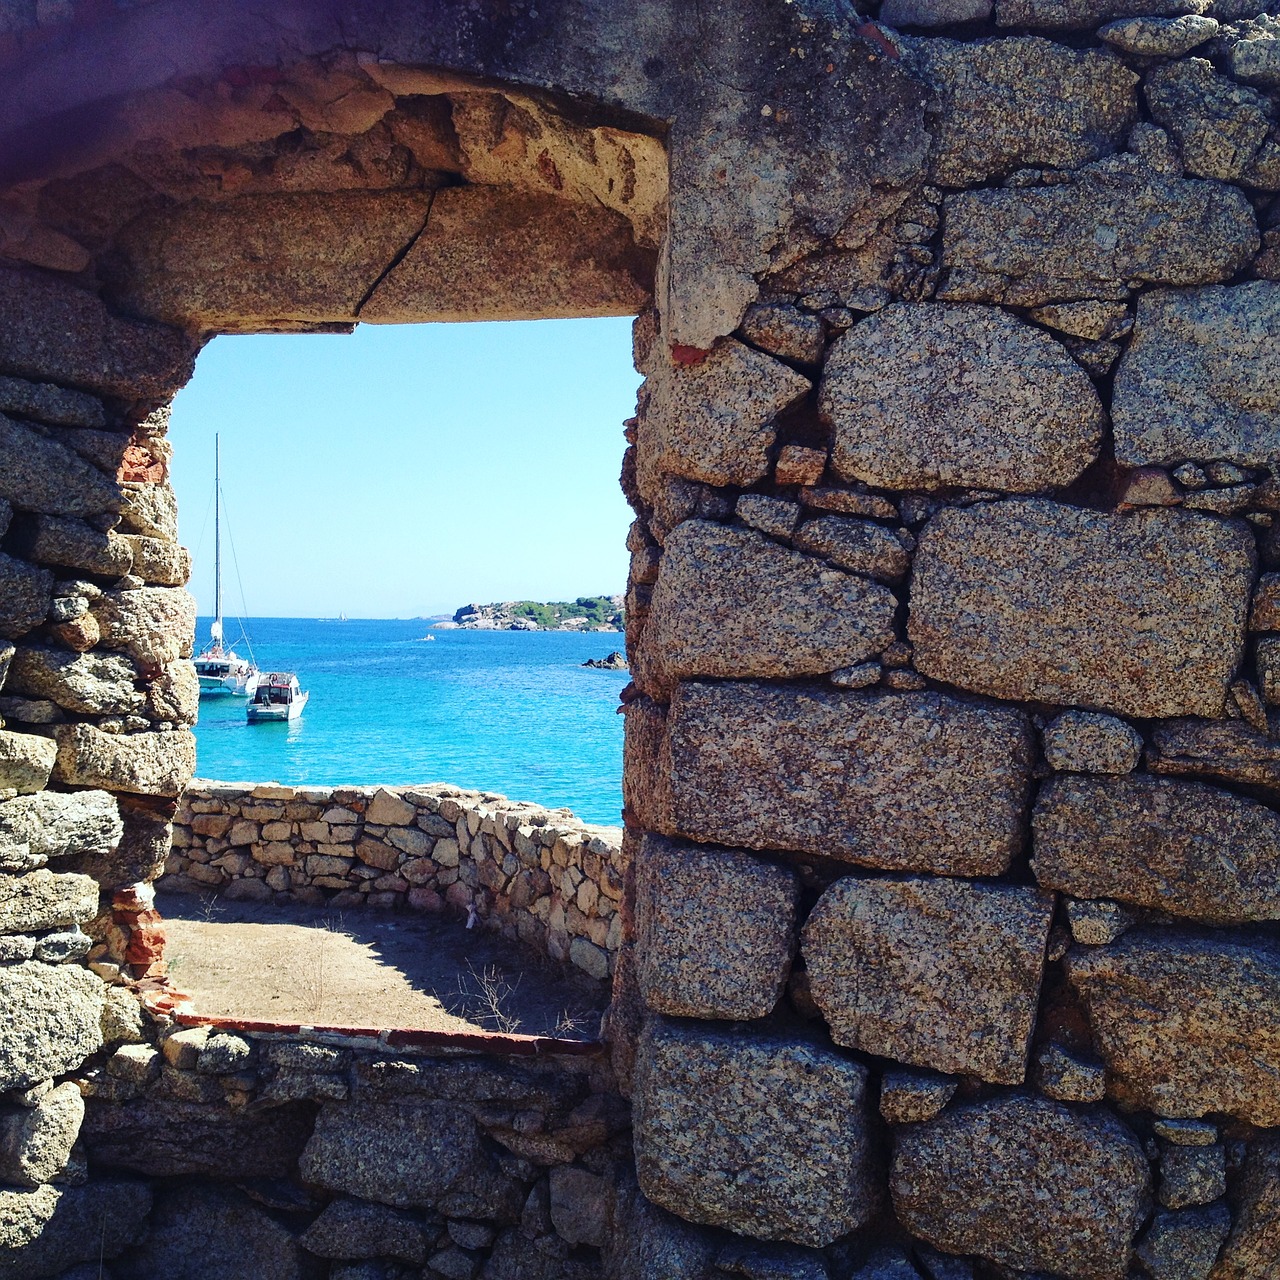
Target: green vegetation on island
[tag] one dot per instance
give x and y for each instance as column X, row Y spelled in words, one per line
column 586, row 613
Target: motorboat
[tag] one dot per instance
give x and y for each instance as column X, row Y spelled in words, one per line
column 221, row 671
column 278, row 697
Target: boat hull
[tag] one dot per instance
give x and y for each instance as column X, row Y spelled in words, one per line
column 275, row 712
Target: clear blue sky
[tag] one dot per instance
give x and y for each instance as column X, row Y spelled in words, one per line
column 409, row 469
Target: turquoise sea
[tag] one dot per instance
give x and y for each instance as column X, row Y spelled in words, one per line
column 507, row 711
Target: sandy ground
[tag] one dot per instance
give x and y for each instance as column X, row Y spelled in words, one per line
column 310, row 965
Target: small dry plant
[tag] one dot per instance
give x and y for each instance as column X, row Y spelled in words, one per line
column 483, row 996
column 314, row 980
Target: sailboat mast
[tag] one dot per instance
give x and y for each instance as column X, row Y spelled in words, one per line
column 217, row 536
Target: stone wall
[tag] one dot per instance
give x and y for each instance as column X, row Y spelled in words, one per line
column 950, row 925
column 534, row 874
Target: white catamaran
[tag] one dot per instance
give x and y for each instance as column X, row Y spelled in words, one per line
column 221, row 670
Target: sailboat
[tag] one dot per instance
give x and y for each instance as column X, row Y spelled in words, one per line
column 221, row 670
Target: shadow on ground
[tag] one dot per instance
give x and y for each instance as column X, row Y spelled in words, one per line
column 312, row 965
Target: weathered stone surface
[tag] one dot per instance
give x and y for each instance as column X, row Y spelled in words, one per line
column 1085, row 742
column 492, row 254
column 1254, row 1243
column 1230, row 750
column 715, row 930
column 916, row 781
column 1191, row 1175
column 1003, row 105
column 1199, row 379
column 158, row 561
column 397, row 1154
column 53, row 824
column 44, row 900
column 933, row 13
column 167, row 1138
column 714, row 421
column 149, row 509
column 1184, row 1246
column 1219, row 125
column 1025, row 1182
column 1256, row 58
column 25, row 594
column 48, row 1229
column 92, row 684
column 153, row 625
column 936, row 973
column 357, row 1229
column 1029, row 245
column 856, row 545
column 761, row 1134
column 910, row 1096
column 1180, row 847
column 1069, row 1077
column 253, row 261
column 26, row 761
column 146, row 763
column 785, row 331
column 922, row 396
column 51, row 329
column 36, row 1142
column 775, row 516
column 647, row 1243
column 1187, row 1025
column 1085, row 14
column 1096, row 922
column 73, row 544
column 1141, row 613
column 50, row 1020
column 46, row 402
column 211, row 1233
column 174, row 694
column 1159, row 37
column 41, row 475
column 730, row 602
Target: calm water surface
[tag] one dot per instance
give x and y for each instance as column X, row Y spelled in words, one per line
column 508, row 711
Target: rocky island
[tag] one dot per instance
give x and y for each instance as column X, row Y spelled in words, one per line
column 586, row 613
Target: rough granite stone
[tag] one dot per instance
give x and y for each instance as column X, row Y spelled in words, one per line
column 921, row 396
column 1004, row 105
column 46, row 402
column 785, row 331
column 158, row 561
column 714, row 420
column 153, row 625
column 1191, row 1176
column 45, row 1230
column 1086, row 742
column 72, row 544
column 39, row 474
column 50, row 1021
column 904, row 782
column 1184, row 1245
column 1086, row 14
column 174, row 694
column 1200, row 380
column 36, row 1142
column 25, row 595
column 43, row 900
column 715, row 930
column 150, row 510
column 356, row 1229
column 758, row 1133
column 56, row 824
column 400, row 1154
column 209, row 1232
column 731, row 602
column 1254, row 1243
column 51, row 329
column 1186, row 1024
column 1180, row 847
column 1229, row 750
column 1093, row 234
column 91, row 684
column 1068, row 1077
column 933, row 13
column 907, row 1097
column 1219, row 125
column 931, row 972
column 145, row 763
column 775, row 516
column 857, row 546
column 1025, row 1182
column 1159, row 37
column 1140, row 613
column 26, row 760
column 1095, row 922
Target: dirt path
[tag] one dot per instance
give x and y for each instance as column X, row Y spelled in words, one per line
column 310, row 965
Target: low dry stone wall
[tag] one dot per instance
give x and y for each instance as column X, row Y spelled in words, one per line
column 534, row 874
